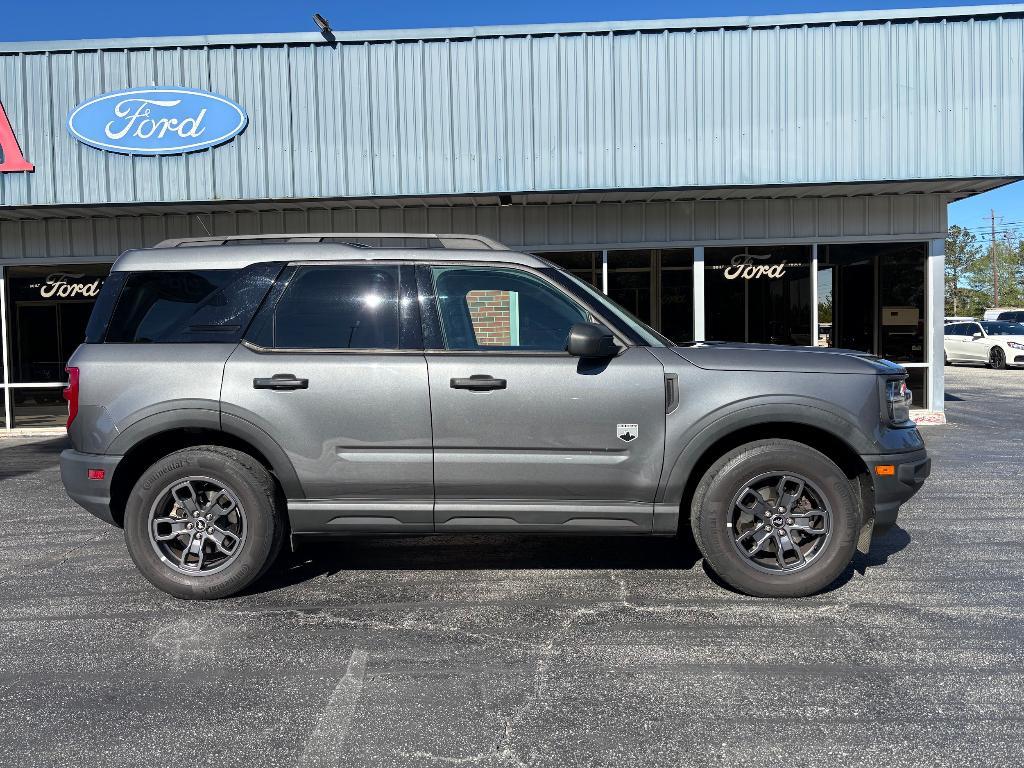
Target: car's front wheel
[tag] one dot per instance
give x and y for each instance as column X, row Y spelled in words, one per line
column 204, row 522
column 776, row 518
column 997, row 359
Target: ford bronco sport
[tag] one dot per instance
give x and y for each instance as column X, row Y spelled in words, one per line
column 236, row 393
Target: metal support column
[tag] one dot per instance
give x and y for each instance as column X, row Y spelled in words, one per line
column 8, row 422
column 604, row 272
column 698, row 293
column 935, row 314
column 814, row 295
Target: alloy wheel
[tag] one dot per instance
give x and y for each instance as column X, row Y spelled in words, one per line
column 996, row 358
column 197, row 526
column 780, row 522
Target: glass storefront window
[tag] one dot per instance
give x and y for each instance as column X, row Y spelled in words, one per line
column 42, row 407
column 48, row 308
column 846, row 297
column 630, row 282
column 676, row 278
column 901, row 302
column 47, row 311
column 874, row 297
column 586, row 265
column 654, row 285
column 758, row 294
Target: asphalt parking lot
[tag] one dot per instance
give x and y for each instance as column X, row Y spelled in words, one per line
column 510, row 651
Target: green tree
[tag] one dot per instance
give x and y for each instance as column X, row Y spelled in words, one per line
column 963, row 255
column 981, row 277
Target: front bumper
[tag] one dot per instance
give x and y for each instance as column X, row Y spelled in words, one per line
column 892, row 491
column 94, row 495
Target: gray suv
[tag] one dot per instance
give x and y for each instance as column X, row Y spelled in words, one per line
column 236, row 393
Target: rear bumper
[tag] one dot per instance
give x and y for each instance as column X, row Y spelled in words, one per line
column 892, row 491
column 94, row 495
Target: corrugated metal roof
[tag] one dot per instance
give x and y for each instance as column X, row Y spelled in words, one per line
column 923, row 95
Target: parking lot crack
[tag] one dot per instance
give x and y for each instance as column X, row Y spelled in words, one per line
column 65, row 556
column 325, row 744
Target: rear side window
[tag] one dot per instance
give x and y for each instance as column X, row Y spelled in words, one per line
column 338, row 306
column 103, row 307
column 213, row 305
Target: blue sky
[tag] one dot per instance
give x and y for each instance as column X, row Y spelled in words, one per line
column 68, row 19
column 62, row 19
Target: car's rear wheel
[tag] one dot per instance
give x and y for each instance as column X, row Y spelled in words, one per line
column 204, row 522
column 997, row 359
column 776, row 518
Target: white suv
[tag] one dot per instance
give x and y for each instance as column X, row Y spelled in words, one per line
column 997, row 343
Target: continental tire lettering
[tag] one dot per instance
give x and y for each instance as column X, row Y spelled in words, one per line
column 178, row 464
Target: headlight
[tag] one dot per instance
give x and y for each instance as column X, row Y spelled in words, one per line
column 1015, row 345
column 897, row 400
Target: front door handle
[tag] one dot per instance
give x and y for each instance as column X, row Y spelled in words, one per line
column 281, row 381
column 479, row 383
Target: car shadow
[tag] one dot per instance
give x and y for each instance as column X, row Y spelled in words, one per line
column 883, row 546
column 479, row 552
column 24, row 458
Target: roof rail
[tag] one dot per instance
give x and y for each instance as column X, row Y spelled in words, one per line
column 356, row 239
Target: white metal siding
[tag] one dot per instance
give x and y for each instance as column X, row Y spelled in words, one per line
column 528, row 227
column 931, row 99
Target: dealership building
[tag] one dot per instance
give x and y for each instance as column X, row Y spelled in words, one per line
column 776, row 179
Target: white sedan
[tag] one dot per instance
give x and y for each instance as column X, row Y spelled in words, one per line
column 998, row 343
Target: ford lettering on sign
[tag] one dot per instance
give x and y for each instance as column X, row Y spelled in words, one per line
column 156, row 121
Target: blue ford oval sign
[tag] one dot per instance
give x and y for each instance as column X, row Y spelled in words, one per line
column 156, row 121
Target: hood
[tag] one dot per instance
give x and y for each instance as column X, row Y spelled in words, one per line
column 735, row 356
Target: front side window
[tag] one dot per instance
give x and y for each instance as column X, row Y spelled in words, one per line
column 495, row 308
column 336, row 306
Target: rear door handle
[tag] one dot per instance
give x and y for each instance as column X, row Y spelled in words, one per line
column 281, row 381
column 479, row 383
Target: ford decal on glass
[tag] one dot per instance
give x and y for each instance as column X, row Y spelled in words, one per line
column 156, row 121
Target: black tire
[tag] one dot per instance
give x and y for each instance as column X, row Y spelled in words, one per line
column 256, row 494
column 997, row 359
column 712, row 515
column 945, row 358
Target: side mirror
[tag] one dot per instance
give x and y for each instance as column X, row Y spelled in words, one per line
column 590, row 340
column 978, row 335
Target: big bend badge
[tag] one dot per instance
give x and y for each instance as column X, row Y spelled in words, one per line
column 627, row 433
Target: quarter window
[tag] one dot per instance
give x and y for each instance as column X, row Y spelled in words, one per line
column 184, row 306
column 485, row 308
column 352, row 306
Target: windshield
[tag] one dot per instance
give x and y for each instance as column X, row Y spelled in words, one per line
column 650, row 336
column 1003, row 329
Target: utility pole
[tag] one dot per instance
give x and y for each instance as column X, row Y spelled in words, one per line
column 992, row 255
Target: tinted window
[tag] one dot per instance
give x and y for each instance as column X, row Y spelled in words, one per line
column 189, row 306
column 352, row 306
column 103, row 307
column 496, row 308
column 957, row 329
column 1003, row 329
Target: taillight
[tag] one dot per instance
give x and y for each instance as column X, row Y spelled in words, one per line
column 71, row 394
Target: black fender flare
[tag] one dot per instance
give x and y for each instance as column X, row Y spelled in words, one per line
column 683, row 453
column 176, row 419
